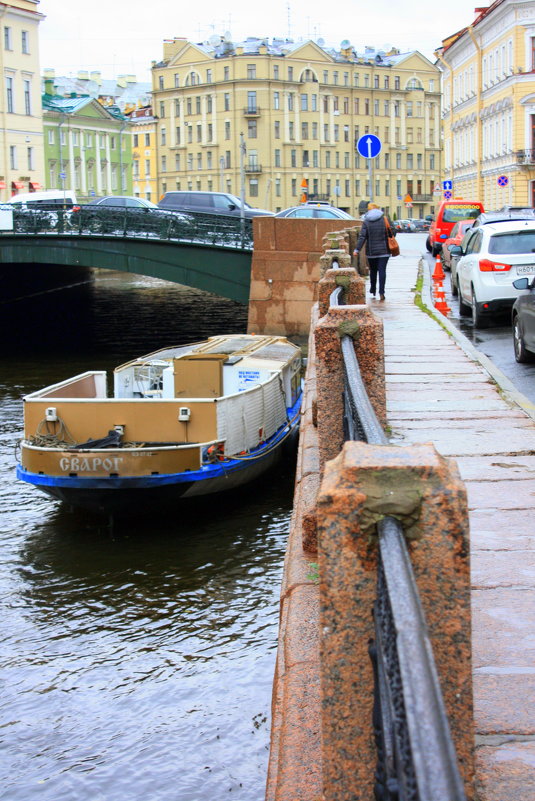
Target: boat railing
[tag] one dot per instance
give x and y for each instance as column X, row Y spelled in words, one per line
column 88, row 385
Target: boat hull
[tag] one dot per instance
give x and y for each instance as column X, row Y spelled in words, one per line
column 129, row 494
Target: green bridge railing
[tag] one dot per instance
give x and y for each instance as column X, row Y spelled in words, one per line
column 208, row 229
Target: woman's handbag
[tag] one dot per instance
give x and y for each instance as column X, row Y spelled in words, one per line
column 393, row 247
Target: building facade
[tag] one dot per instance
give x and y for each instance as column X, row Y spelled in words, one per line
column 279, row 117
column 88, row 148
column 489, row 105
column 144, row 166
column 21, row 127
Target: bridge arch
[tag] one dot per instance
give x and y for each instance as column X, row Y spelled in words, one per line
column 224, row 271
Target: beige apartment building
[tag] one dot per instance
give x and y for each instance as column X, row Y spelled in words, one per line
column 489, row 105
column 21, row 126
column 280, row 116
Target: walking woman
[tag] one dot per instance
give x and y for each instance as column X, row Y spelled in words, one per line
column 374, row 232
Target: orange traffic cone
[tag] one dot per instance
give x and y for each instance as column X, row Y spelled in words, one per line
column 438, row 274
column 440, row 302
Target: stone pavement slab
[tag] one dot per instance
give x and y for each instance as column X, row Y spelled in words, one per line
column 439, row 390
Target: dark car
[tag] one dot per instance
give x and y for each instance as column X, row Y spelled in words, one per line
column 113, row 214
column 523, row 320
column 421, row 225
column 316, row 210
column 208, row 203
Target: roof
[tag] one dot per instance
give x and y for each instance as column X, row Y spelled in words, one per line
column 71, row 105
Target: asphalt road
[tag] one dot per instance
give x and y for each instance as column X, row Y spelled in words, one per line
column 496, row 342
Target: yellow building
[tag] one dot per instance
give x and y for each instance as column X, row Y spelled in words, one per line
column 301, row 108
column 144, row 169
column 21, row 126
column 489, row 106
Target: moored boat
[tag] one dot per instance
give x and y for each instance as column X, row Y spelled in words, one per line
column 183, row 422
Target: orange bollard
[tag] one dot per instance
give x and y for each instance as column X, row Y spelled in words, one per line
column 440, row 302
column 438, row 274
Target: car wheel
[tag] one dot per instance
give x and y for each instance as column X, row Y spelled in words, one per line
column 435, row 250
column 428, row 245
column 479, row 320
column 454, row 290
column 464, row 308
column 522, row 354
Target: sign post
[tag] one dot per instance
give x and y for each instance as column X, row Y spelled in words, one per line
column 369, row 146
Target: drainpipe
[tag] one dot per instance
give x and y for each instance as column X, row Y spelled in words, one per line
column 123, row 126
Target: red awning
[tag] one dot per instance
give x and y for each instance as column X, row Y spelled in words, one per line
column 2, row 184
column 35, row 186
column 16, row 186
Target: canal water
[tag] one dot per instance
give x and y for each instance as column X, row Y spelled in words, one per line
column 136, row 661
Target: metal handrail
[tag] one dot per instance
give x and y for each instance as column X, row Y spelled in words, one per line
column 416, row 759
column 157, row 224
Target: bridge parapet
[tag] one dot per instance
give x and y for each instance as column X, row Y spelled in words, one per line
column 329, row 729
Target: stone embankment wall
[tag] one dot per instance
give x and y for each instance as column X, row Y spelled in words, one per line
column 285, row 272
column 322, row 745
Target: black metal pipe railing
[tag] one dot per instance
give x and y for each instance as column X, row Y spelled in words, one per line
column 416, row 759
column 156, row 224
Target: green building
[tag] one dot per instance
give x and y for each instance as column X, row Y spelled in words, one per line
column 88, row 147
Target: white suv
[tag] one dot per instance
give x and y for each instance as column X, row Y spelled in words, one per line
column 491, row 258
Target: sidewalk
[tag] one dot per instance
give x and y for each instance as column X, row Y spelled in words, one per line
column 437, row 392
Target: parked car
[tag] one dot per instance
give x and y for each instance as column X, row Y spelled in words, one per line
column 123, row 201
column 62, row 198
column 208, row 203
column 450, row 212
column 455, row 238
column 501, row 216
column 42, row 210
column 316, row 210
column 523, row 320
column 491, row 257
column 421, row 225
column 518, row 208
column 401, row 226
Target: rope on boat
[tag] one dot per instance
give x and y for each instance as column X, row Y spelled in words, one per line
column 60, row 437
column 250, row 457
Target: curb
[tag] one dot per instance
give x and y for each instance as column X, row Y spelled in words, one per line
column 505, row 384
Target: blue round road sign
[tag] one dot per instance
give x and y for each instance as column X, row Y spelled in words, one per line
column 503, row 180
column 447, row 195
column 369, row 146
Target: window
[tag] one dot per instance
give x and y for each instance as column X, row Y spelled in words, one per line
column 376, row 107
column 290, row 73
column 164, row 163
column 409, row 108
column 276, row 101
column 276, row 72
column 376, row 82
column 147, row 168
column 432, row 161
column 315, row 158
column 147, row 140
column 188, row 106
column 387, row 82
column 177, row 135
column 177, row 161
column 199, row 161
column 398, row 162
column 293, row 158
column 208, row 76
column 209, row 160
column 112, row 142
column 251, row 102
column 335, row 78
column 227, row 159
column 304, row 102
column 277, row 187
column 326, row 133
column 366, row 106
column 160, row 82
column 314, row 103
column 13, row 157
column 177, row 80
column 396, row 82
column 314, row 130
column 226, row 101
column 209, row 104
column 25, row 42
column 7, row 39
column 346, row 160
column 277, row 127
column 75, row 138
column 199, row 132
column 197, row 105
column 251, row 129
column 294, row 187
column 410, row 161
column 29, row 152
column 9, row 95
column 210, row 132
column 325, row 76
column 226, row 73
column 251, row 71
column 227, row 129
column 51, row 136
column 163, row 136
column 27, row 97
column 277, row 158
column 290, row 101
column 305, row 159
column 327, row 158
column 253, row 187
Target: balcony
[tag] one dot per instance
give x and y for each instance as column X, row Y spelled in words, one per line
column 251, row 111
column 253, row 168
column 525, row 158
column 422, row 198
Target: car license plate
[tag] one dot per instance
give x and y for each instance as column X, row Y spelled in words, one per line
column 525, row 269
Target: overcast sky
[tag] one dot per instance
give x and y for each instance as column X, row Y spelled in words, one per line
column 124, row 36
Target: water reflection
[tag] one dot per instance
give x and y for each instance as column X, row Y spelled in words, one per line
column 137, row 660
